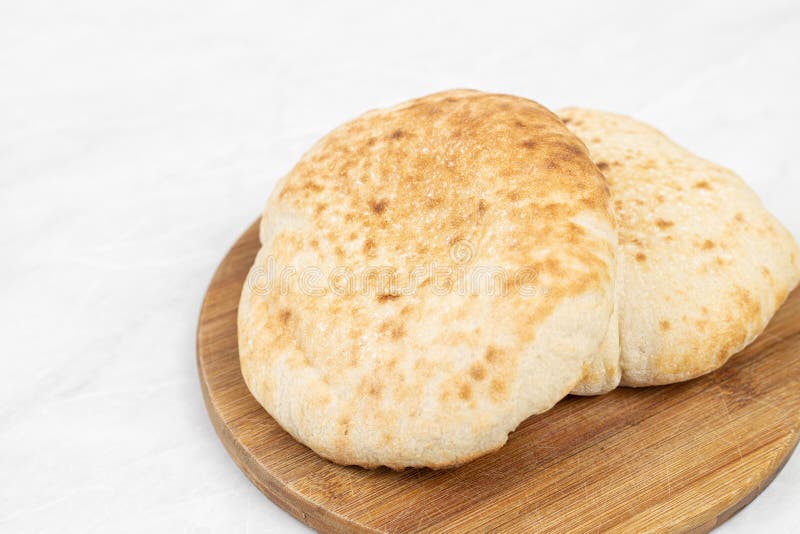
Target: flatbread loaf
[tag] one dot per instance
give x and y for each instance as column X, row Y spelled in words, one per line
column 702, row 265
column 433, row 376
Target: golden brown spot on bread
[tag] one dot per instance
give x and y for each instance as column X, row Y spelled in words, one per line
column 640, row 256
column 497, row 389
column 663, row 224
column 465, row 392
column 590, row 202
column 452, row 240
column 395, row 330
column 397, row 134
column 378, row 206
column 432, row 202
column 708, row 244
column 375, row 390
column 738, row 217
column 649, row 164
column 664, row 325
column 703, row 185
column 748, row 304
column 492, row 354
column 572, row 149
column 344, row 424
column 285, row 316
column 386, row 297
column 481, row 207
column 477, row 371
column 369, row 247
column 575, row 232
column 528, row 143
column 602, row 165
column 552, row 265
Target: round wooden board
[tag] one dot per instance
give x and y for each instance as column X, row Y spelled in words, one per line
column 683, row 457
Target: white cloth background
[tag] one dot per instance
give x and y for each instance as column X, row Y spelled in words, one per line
column 139, row 139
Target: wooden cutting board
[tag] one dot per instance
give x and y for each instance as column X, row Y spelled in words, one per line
column 674, row 458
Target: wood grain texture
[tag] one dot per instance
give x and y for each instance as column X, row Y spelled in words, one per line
column 683, row 457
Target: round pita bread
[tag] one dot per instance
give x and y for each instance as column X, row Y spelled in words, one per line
column 702, row 265
column 424, row 374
